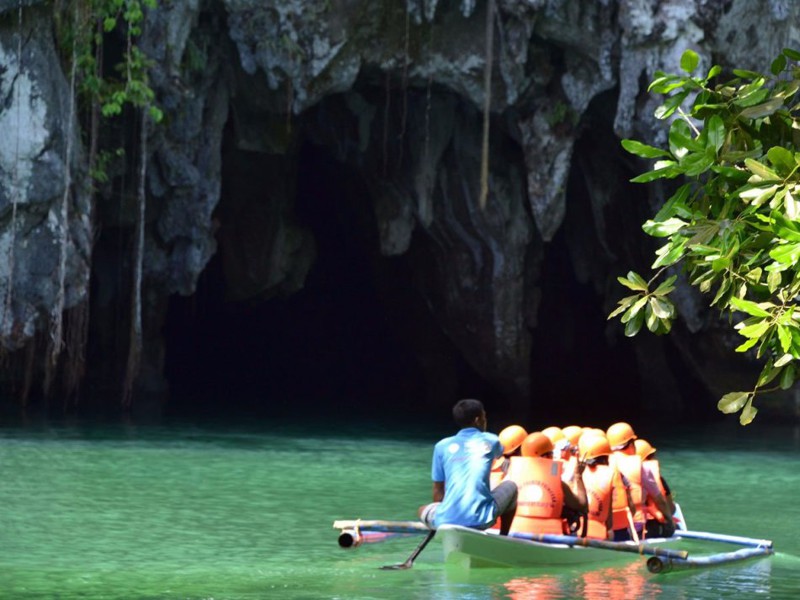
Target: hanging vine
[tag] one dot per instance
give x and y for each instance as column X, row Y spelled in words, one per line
column 56, row 315
column 487, row 102
column 105, row 96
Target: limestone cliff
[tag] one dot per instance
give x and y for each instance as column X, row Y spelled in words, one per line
column 394, row 91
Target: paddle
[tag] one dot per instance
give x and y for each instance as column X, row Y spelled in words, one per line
column 409, row 562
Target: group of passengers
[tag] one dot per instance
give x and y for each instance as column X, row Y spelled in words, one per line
column 601, row 484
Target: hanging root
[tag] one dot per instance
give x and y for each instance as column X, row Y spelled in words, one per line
column 135, row 347
column 487, row 102
column 76, row 340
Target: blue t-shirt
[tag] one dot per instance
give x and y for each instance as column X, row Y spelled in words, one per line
column 463, row 462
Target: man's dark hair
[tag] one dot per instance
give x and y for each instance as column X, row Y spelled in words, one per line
column 466, row 411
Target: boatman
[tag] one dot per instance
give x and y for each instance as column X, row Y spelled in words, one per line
column 460, row 473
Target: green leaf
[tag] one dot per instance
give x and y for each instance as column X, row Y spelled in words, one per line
column 758, row 196
column 663, row 228
column 746, row 345
column 633, row 326
column 681, row 140
column 713, row 72
column 774, row 281
column 722, row 292
column 756, row 330
column 696, row 163
column 785, row 338
column 785, row 228
column 787, row 254
column 663, row 309
column 716, row 132
column 643, row 150
column 768, row 373
column 761, row 170
column 650, row 319
column 790, row 206
column 788, row 377
column 790, row 53
column 783, row 360
column 745, row 74
column 733, row 401
column 778, row 65
column 781, row 158
column 670, row 105
column 668, row 172
column 676, row 204
column 689, row 61
column 748, row 414
column 666, row 286
column 762, row 110
column 634, row 281
column 670, row 253
column 634, row 310
column 624, row 305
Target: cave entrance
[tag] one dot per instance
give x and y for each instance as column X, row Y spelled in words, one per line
column 333, row 346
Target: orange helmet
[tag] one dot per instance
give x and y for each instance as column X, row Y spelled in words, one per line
column 643, row 448
column 554, row 434
column 512, row 437
column 593, row 445
column 573, row 433
column 620, row 434
column 536, row 444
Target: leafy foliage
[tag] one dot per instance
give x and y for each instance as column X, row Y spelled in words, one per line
column 83, row 29
column 733, row 225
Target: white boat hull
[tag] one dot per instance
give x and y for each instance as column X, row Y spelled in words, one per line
column 470, row 548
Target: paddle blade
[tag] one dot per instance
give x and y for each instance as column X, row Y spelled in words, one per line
column 410, row 560
column 397, row 567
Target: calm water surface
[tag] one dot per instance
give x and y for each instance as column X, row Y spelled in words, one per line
column 245, row 512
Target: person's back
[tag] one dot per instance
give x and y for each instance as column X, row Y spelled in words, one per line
column 463, row 461
column 460, row 474
column 657, row 524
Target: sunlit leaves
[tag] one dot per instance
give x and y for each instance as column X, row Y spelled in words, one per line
column 732, row 223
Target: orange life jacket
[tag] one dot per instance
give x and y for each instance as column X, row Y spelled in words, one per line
column 598, row 481
column 630, row 466
column 540, row 497
column 651, row 510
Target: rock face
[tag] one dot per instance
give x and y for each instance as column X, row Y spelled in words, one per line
column 395, row 92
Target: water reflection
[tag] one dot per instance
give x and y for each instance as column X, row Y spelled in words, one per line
column 746, row 580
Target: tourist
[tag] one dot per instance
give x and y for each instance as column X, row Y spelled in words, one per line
column 460, row 473
column 656, row 524
column 545, row 501
column 633, row 488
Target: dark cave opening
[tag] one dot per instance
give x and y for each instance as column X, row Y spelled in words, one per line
column 336, row 345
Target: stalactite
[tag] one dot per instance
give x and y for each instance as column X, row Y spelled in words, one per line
column 428, row 94
column 404, row 114
column 386, row 124
column 487, row 102
column 135, row 339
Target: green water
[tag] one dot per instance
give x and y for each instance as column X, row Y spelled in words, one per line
column 245, row 512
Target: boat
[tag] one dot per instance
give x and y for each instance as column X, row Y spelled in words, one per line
column 470, row 548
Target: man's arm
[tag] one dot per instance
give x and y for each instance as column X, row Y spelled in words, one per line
column 438, row 491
